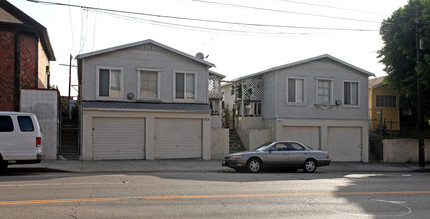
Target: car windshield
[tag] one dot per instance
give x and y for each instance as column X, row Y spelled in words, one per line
column 265, row 146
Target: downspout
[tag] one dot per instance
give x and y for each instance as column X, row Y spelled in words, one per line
column 17, row 73
column 276, row 95
column 36, row 70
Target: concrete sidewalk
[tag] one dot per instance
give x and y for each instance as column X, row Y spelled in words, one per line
column 193, row 165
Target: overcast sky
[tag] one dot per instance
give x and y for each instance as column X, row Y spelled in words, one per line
column 239, row 36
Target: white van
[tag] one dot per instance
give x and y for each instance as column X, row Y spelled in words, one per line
column 20, row 139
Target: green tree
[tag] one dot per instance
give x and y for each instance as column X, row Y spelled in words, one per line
column 399, row 54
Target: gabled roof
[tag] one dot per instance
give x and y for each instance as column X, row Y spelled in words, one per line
column 306, row 61
column 26, row 24
column 216, row 73
column 99, row 52
column 376, row 82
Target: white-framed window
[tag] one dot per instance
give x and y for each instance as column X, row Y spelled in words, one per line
column 110, row 83
column 351, row 94
column 185, row 85
column 148, row 83
column 296, row 91
column 324, row 91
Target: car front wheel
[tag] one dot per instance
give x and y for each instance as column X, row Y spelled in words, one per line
column 254, row 165
column 310, row 166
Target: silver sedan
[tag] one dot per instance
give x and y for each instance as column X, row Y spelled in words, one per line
column 286, row 154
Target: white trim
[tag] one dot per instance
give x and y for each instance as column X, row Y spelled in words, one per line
column 331, row 90
column 343, row 94
column 121, row 69
column 195, row 86
column 304, row 91
column 138, row 70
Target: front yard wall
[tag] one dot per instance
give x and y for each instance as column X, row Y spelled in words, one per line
column 404, row 150
column 219, row 143
column 45, row 105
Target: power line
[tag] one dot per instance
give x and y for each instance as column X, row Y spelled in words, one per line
column 202, row 20
column 283, row 11
column 328, row 6
column 191, row 27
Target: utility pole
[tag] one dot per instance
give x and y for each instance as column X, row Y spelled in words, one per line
column 70, row 78
column 421, row 150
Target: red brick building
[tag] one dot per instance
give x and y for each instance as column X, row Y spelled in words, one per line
column 25, row 53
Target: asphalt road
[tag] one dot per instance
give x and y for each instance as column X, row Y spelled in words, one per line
column 29, row 193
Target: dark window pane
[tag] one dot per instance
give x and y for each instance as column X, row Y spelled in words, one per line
column 378, row 100
column 347, row 93
column 6, row 124
column 104, row 83
column 180, row 87
column 25, row 124
column 291, row 90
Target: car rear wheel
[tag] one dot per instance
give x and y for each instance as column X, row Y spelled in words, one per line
column 254, row 165
column 310, row 166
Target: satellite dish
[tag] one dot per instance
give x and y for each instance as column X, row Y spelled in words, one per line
column 200, row 55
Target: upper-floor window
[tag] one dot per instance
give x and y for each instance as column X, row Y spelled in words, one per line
column 324, row 91
column 148, row 83
column 295, row 90
column 350, row 93
column 109, row 82
column 386, row 101
column 185, row 86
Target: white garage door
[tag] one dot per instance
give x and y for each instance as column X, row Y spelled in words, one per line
column 308, row 135
column 178, row 138
column 118, row 138
column 344, row 143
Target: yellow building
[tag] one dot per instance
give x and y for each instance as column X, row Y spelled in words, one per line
column 383, row 100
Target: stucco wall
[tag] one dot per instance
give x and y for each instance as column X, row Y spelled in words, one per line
column 258, row 137
column 216, row 122
column 404, row 150
column 219, row 143
column 44, row 104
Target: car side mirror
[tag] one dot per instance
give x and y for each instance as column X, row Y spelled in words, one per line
column 272, row 149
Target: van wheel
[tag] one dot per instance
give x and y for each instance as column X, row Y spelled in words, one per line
column 3, row 165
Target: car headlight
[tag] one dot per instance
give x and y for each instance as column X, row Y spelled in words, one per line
column 236, row 157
